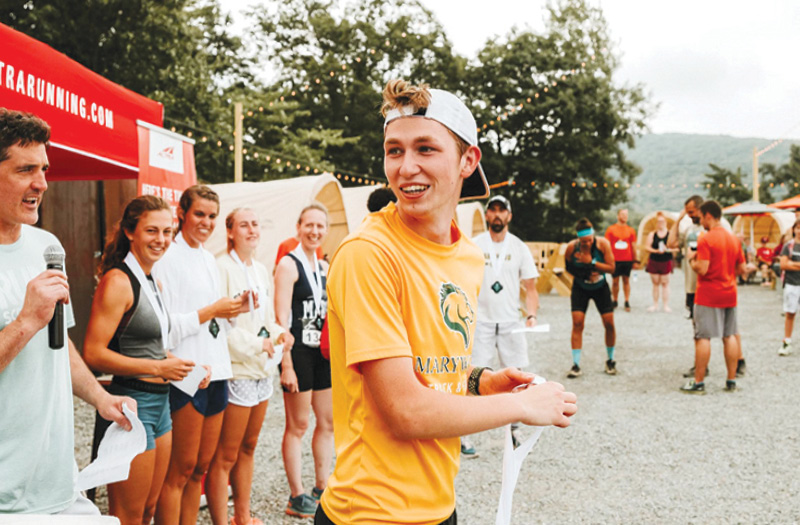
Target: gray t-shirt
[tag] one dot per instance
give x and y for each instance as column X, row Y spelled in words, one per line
column 37, row 456
column 792, row 276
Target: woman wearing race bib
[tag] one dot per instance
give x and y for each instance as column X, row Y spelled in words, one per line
column 301, row 307
column 255, row 344
column 128, row 337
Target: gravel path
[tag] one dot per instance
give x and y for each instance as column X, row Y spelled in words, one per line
column 638, row 450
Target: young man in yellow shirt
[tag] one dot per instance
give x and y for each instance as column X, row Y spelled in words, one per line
column 402, row 294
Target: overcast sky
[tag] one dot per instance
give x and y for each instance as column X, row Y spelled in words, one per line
column 716, row 67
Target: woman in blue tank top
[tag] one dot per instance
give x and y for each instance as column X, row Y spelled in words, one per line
column 127, row 337
column 301, row 307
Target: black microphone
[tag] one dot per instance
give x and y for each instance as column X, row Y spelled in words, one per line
column 54, row 257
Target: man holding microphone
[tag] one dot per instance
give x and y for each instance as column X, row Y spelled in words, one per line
column 36, row 381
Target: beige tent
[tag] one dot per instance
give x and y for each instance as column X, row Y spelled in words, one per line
column 278, row 204
column 772, row 225
column 471, row 219
column 355, row 204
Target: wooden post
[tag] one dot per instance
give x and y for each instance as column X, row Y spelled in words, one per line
column 237, row 142
column 755, row 174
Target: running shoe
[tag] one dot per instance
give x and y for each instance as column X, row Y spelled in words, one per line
column 611, row 367
column 741, row 368
column 574, row 372
column 785, row 349
column 317, row 493
column 690, row 373
column 694, row 388
column 627, row 306
column 730, row 386
column 468, row 450
column 302, row 506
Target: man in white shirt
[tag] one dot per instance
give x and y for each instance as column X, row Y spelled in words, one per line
column 507, row 263
column 37, row 381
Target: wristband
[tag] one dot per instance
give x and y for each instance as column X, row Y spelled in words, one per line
column 474, row 380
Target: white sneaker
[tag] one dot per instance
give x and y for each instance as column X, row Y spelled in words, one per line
column 785, row 349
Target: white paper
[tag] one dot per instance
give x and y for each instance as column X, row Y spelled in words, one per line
column 275, row 359
column 512, row 463
column 115, row 453
column 539, row 328
column 191, row 382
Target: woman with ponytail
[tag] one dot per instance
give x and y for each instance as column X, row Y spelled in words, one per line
column 128, row 337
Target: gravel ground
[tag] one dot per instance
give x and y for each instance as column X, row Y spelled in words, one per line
column 638, row 450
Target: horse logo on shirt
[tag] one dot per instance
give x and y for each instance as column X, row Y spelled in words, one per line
column 457, row 313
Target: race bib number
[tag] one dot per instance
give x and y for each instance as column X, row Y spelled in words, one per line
column 620, row 245
column 312, row 331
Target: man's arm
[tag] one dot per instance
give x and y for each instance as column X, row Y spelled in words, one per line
column 531, row 301
column 86, row 387
column 413, row 411
column 672, row 237
column 41, row 295
column 701, row 267
column 788, row 265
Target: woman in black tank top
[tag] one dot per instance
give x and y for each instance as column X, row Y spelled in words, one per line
column 659, row 264
column 301, row 307
column 125, row 337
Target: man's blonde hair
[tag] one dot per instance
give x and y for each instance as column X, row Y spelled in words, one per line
column 399, row 93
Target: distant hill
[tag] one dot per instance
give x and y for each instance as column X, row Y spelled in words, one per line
column 671, row 160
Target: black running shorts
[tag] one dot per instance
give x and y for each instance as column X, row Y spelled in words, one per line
column 580, row 298
column 313, row 371
column 623, row 268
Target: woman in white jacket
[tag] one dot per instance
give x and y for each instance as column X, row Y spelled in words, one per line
column 256, row 344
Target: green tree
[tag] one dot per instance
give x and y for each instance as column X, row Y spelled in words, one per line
column 786, row 175
column 726, row 186
column 178, row 52
column 555, row 122
column 337, row 66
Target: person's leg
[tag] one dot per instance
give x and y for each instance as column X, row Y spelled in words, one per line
column 732, row 352
column 163, row 452
column 322, row 441
column 665, row 292
column 242, row 473
column 626, row 288
column 298, row 407
column 788, row 326
column 654, row 278
column 187, row 423
column 611, row 332
column 615, row 288
column 576, row 339
column 234, row 424
column 702, row 353
column 127, row 499
column 190, row 503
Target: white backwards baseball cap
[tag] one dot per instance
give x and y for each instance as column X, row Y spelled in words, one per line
column 448, row 110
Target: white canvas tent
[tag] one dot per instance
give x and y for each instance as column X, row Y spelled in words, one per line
column 355, row 204
column 772, row 225
column 278, row 204
column 470, row 218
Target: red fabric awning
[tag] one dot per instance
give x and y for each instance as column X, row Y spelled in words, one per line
column 93, row 120
column 790, row 203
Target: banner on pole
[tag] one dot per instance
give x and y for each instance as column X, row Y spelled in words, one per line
column 166, row 164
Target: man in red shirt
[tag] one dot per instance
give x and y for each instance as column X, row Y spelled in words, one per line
column 717, row 261
column 623, row 245
column 764, row 255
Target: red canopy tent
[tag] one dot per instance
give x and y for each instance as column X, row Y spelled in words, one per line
column 93, row 120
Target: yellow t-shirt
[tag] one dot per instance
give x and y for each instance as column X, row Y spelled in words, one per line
column 392, row 293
